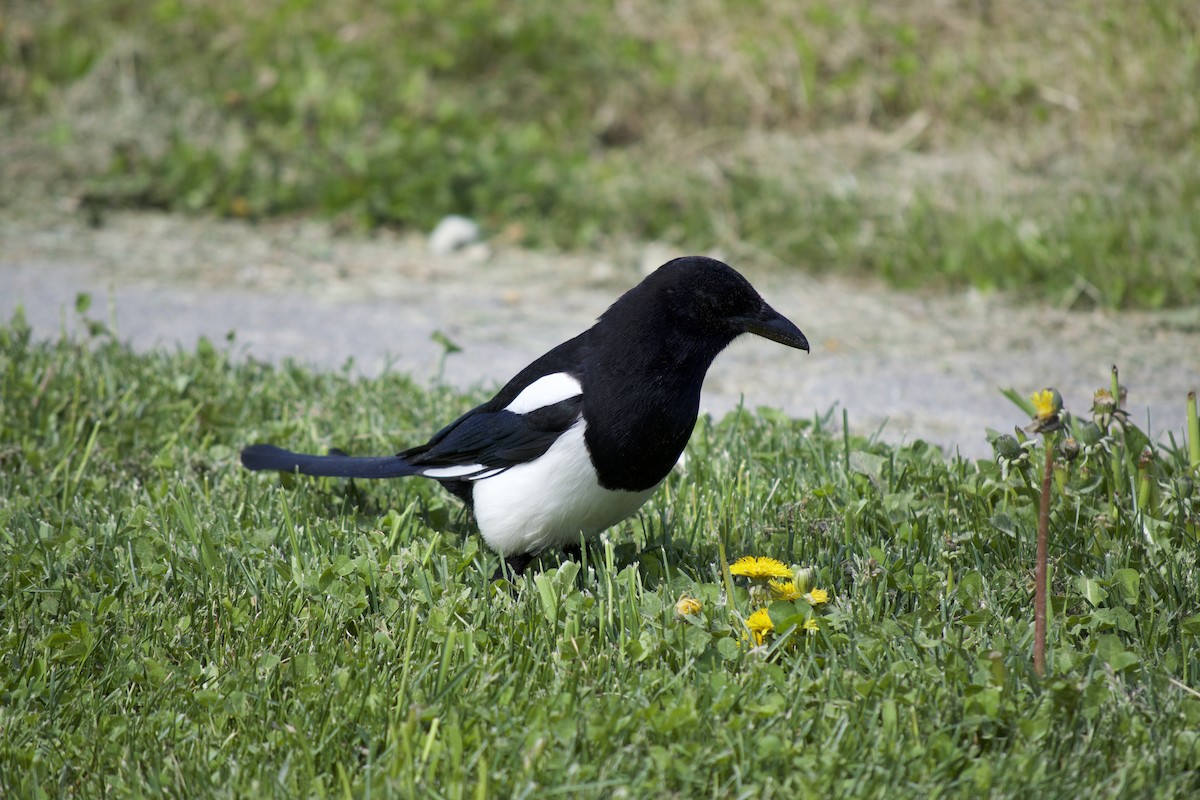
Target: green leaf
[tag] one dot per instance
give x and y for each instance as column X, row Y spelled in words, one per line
column 768, row 705
column 970, row 588
column 1091, row 590
column 1128, row 582
column 1005, row 524
column 547, row 596
column 1191, row 625
column 1111, row 650
column 785, row 615
column 1020, row 401
column 448, row 345
column 868, row 464
column 727, row 646
column 1119, row 618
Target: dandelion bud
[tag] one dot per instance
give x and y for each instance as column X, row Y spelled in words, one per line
column 688, row 606
column 1007, row 447
column 804, row 579
column 1145, row 485
column 1090, row 434
column 1184, row 486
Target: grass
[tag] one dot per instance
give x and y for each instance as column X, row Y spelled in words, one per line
column 1050, row 151
column 173, row 625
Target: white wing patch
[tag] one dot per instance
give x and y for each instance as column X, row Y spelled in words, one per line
column 545, row 391
column 456, row 471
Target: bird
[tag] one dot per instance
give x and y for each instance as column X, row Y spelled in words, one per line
column 579, row 439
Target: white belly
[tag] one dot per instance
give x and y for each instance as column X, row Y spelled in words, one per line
column 550, row 501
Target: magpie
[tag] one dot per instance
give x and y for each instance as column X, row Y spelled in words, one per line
column 578, row 440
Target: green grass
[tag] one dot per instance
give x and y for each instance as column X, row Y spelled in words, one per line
column 171, row 624
column 1050, row 151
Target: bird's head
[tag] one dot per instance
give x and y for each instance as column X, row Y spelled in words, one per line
column 710, row 299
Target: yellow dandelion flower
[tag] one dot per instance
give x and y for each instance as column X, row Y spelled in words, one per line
column 811, row 625
column 687, row 606
column 785, row 590
column 1046, row 403
column 760, row 568
column 760, row 625
column 818, row 596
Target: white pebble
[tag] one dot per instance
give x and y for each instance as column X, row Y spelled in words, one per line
column 453, row 233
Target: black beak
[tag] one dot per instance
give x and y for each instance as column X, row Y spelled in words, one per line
column 770, row 324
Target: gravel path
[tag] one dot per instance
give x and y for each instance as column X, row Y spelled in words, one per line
column 920, row 366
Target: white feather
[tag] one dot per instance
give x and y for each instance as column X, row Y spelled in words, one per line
column 550, row 501
column 488, row 474
column 457, row 471
column 545, row 391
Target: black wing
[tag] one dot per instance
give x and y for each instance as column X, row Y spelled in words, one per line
column 482, row 443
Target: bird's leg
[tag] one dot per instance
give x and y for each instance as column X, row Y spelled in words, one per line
column 573, row 552
column 512, row 566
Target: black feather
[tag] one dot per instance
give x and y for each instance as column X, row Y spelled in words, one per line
column 270, row 457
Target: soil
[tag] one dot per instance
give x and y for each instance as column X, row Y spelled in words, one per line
column 908, row 365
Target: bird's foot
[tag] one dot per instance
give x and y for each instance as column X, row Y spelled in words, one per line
column 512, row 566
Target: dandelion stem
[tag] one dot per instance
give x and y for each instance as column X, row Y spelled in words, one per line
column 1193, row 433
column 1040, row 567
column 1118, row 450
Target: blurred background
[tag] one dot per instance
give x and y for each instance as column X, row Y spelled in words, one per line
column 1048, row 149
column 949, row 197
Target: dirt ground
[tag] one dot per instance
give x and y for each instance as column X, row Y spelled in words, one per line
column 913, row 366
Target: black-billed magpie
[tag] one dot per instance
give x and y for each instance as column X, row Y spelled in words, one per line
column 582, row 437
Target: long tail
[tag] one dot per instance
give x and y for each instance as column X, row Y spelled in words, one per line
column 266, row 456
